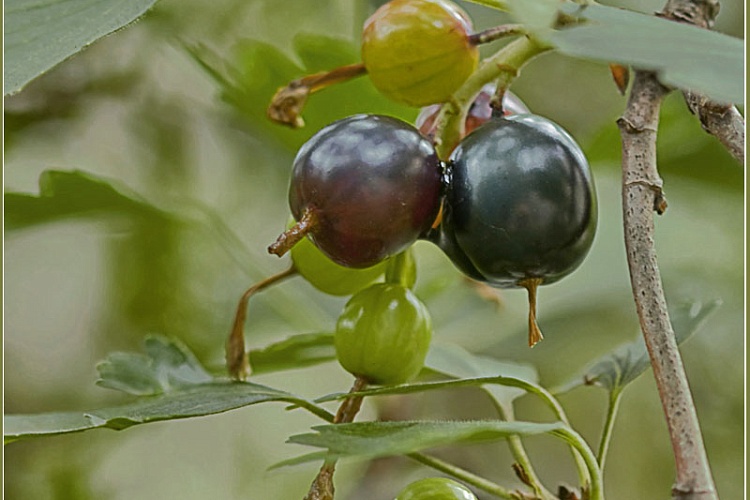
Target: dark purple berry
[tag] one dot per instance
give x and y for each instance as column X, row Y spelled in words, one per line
column 364, row 188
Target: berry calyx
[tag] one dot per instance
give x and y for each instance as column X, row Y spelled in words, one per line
column 363, row 189
column 436, row 488
column 383, row 334
column 418, row 52
column 520, row 209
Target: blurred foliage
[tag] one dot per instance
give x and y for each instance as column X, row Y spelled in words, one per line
column 138, row 109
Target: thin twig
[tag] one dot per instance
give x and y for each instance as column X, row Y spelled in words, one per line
column 641, row 189
column 322, row 487
column 502, row 67
column 721, row 120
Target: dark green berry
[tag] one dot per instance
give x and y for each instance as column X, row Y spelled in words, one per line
column 520, row 209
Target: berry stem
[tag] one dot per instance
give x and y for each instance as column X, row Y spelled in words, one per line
column 402, row 269
column 287, row 103
column 496, row 33
column 322, row 486
column 237, row 361
column 535, row 334
column 294, row 234
column 503, row 67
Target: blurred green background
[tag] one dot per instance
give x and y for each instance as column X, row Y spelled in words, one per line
column 138, row 108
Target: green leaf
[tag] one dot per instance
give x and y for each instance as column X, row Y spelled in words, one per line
column 192, row 401
column 380, row 439
column 168, row 365
column 484, row 382
column 617, row 369
column 298, row 351
column 39, row 35
column 172, row 385
column 71, row 194
column 684, row 56
column 454, row 361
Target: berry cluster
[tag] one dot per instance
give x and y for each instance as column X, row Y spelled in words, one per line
column 514, row 205
column 519, row 210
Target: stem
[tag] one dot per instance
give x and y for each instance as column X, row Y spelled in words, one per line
column 572, row 437
column 721, row 120
column 322, row 487
column 238, row 365
column 609, row 423
column 294, row 234
column 463, row 475
column 503, row 66
column 287, row 103
column 641, row 189
column 402, row 269
column 519, row 454
column 496, row 33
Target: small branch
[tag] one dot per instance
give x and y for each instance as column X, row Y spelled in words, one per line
column 322, row 487
column 641, row 187
column 238, row 365
column 502, row 67
column 723, row 121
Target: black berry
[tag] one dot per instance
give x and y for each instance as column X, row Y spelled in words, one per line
column 520, row 207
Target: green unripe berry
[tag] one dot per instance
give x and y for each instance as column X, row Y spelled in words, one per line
column 418, row 51
column 436, row 488
column 329, row 277
column 383, row 334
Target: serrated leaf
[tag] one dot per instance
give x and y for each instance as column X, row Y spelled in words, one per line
column 616, row 370
column 39, row 35
column 298, row 351
column 168, row 365
column 455, row 361
column 193, row 401
column 72, row 194
column 369, row 440
column 684, row 56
